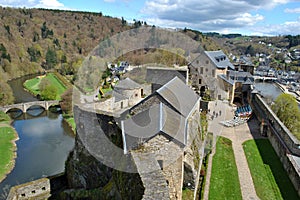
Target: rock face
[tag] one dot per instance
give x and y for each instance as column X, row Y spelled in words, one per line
column 87, row 177
column 84, row 171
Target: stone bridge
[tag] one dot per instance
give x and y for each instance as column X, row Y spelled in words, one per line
column 25, row 106
column 264, row 78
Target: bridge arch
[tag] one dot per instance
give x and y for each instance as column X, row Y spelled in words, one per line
column 25, row 106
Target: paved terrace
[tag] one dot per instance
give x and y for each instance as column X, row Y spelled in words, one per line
column 238, row 135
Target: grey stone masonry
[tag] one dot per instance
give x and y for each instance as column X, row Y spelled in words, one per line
column 25, row 106
column 155, row 184
column 38, row 189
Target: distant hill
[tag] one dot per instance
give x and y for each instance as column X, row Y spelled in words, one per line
column 32, row 40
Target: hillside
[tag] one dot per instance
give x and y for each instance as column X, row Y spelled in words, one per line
column 35, row 39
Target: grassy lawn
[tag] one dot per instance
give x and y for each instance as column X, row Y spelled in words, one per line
column 7, row 135
column 224, row 182
column 270, row 179
column 4, row 118
column 56, row 82
column 33, row 85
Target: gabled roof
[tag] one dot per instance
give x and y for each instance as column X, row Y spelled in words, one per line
column 127, row 84
column 179, row 95
column 158, row 119
column 219, row 59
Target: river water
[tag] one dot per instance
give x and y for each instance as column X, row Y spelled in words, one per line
column 45, row 141
column 268, row 90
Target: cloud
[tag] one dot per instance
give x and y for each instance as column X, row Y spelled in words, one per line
column 205, row 15
column 53, row 4
column 49, row 4
column 294, row 10
column 287, row 28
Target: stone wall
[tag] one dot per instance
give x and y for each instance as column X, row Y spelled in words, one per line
column 163, row 155
column 87, row 176
column 265, row 113
column 39, row 189
column 283, row 142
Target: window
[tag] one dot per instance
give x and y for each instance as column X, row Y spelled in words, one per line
column 201, row 70
column 43, row 188
column 33, row 191
column 200, row 81
column 207, row 62
column 213, row 73
column 160, row 162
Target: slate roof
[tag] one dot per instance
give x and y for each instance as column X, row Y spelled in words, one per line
column 219, row 59
column 246, row 60
column 118, row 96
column 223, row 77
column 158, row 119
column 127, row 84
column 163, row 75
column 179, row 95
column 240, row 76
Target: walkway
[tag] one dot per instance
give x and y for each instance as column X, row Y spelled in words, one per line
column 238, row 135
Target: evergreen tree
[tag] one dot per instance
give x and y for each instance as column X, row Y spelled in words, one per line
column 51, row 58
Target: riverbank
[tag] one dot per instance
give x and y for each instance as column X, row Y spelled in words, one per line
column 71, row 122
column 8, row 147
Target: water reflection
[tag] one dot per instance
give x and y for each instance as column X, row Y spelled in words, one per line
column 44, row 144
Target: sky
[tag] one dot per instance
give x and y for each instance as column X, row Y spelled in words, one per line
column 247, row 17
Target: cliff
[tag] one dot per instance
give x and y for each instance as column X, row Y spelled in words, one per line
column 87, row 176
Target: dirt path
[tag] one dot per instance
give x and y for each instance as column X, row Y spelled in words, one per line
column 238, row 135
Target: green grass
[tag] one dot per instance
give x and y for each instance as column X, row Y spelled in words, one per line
column 57, row 83
column 270, row 179
column 4, row 118
column 224, row 182
column 187, row 194
column 7, row 134
column 33, row 85
column 71, row 122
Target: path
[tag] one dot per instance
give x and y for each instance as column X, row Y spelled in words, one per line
column 238, row 135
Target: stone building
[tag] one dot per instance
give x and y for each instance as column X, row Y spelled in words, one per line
column 162, row 127
column 125, row 94
column 204, row 71
column 213, row 71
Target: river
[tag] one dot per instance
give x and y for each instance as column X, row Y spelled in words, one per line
column 268, row 90
column 45, row 141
